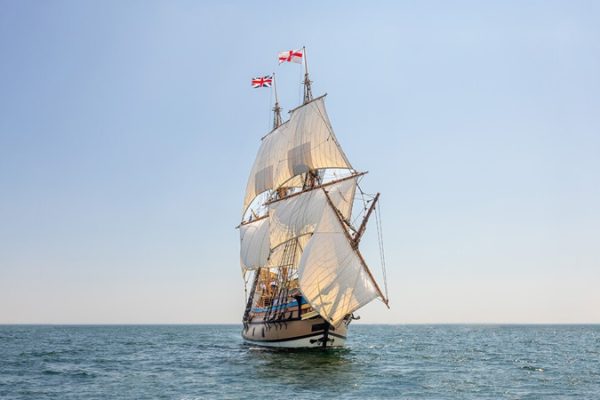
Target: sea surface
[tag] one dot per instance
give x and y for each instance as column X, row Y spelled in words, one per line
column 380, row 361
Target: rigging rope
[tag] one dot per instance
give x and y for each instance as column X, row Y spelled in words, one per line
column 364, row 204
column 269, row 119
column 301, row 87
column 246, row 276
column 381, row 251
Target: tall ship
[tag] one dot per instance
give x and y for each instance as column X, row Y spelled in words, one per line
column 305, row 275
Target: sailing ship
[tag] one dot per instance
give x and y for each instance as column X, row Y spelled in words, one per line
column 299, row 240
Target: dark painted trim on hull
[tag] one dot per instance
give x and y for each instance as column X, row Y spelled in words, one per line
column 336, row 335
column 292, row 338
column 279, row 321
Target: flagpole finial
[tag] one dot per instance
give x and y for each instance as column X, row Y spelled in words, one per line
column 307, row 82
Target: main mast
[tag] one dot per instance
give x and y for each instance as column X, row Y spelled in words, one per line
column 276, row 109
column 285, row 280
column 307, row 89
column 312, row 177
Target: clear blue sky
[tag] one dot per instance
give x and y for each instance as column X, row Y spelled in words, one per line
column 128, row 129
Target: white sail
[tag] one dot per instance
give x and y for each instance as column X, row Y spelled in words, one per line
column 331, row 274
column 305, row 142
column 299, row 214
column 281, row 256
column 255, row 248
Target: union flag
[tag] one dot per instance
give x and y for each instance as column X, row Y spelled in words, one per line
column 262, row 81
column 294, row 56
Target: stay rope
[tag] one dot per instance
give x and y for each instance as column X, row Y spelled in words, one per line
column 381, row 250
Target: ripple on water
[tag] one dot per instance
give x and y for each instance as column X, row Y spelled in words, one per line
column 176, row 362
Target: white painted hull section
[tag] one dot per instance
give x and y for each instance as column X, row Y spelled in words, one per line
column 295, row 333
column 301, row 343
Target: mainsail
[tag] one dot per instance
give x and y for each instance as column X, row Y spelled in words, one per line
column 305, row 233
column 298, row 215
column 290, row 218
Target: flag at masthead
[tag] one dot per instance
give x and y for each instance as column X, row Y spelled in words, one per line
column 296, row 56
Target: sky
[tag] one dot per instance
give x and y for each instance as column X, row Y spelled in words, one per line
column 128, row 129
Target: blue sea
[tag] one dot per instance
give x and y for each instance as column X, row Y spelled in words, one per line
column 380, row 361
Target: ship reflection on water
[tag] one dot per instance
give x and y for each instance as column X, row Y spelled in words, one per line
column 306, row 368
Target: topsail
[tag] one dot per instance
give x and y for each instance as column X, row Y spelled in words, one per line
column 306, row 142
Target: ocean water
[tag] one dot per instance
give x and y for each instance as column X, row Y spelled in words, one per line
column 380, row 361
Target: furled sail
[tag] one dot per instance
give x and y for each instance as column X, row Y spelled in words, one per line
column 331, row 273
column 255, row 248
column 299, row 214
column 305, row 142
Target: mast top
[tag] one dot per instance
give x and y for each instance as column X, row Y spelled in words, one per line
column 307, row 89
column 276, row 109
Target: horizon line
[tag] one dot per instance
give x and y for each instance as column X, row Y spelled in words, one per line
column 364, row 324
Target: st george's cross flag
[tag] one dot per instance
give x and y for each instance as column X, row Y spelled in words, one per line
column 294, row 56
column 262, row 81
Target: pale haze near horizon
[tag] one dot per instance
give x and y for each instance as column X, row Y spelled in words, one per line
column 128, row 129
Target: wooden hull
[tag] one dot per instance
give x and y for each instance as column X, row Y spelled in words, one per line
column 314, row 332
column 289, row 323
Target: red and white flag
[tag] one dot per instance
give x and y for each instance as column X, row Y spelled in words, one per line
column 294, row 56
column 262, row 81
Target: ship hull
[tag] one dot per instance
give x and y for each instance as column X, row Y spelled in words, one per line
column 309, row 333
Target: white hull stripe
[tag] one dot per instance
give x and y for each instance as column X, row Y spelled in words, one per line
column 338, row 341
column 312, row 335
